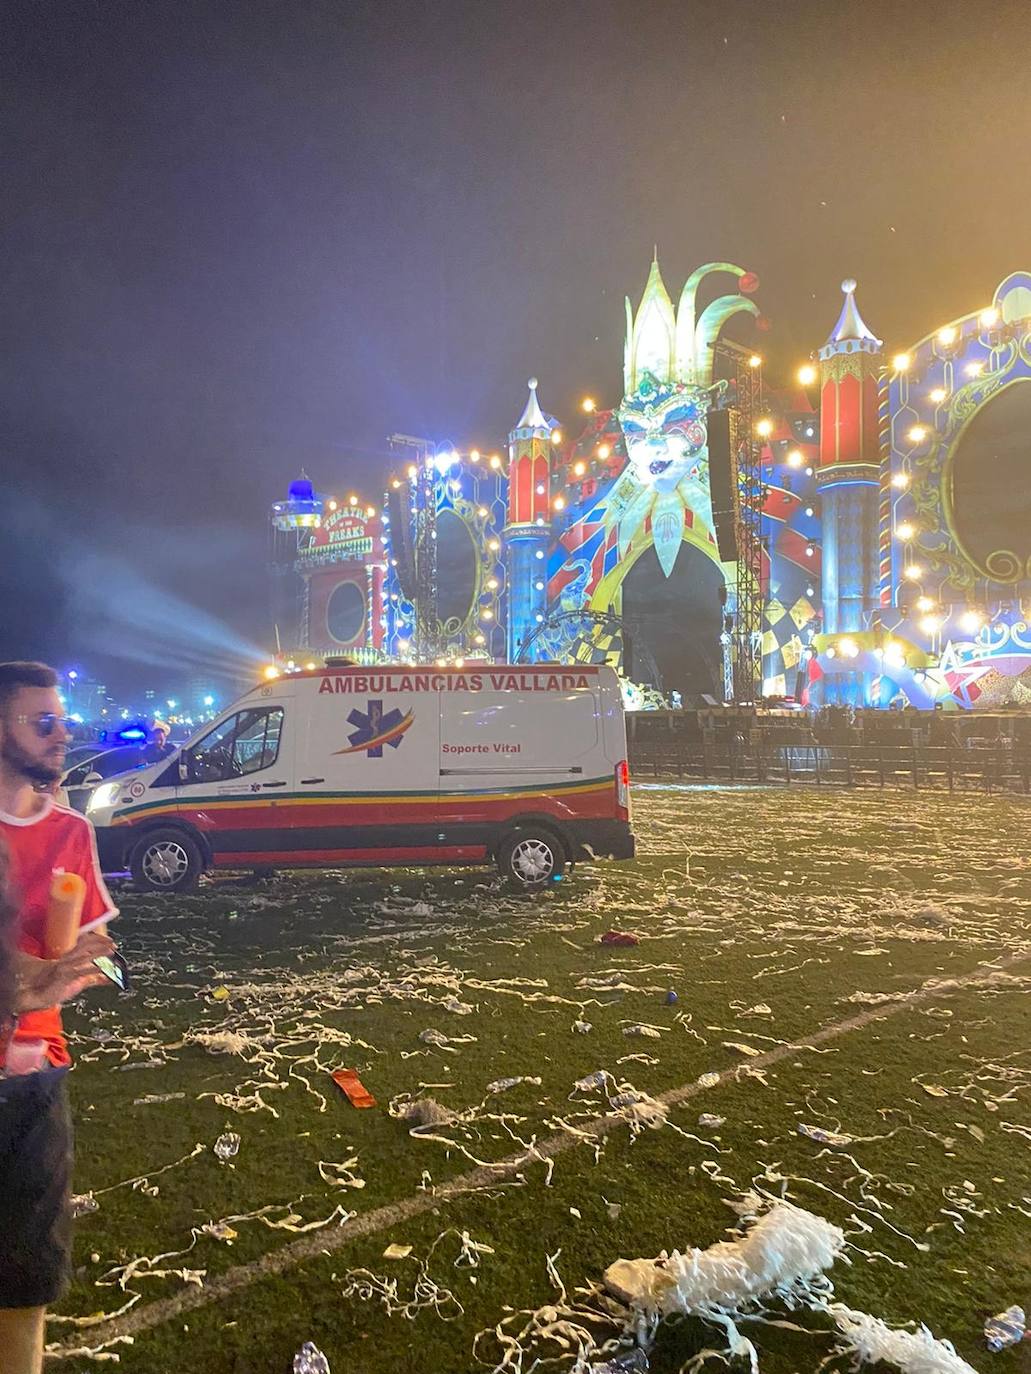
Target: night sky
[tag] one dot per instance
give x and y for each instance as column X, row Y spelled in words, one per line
column 243, row 238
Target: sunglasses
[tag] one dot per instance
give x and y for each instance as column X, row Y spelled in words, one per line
column 47, row 723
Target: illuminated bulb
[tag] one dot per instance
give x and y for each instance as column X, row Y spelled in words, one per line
column 989, row 317
column 480, row 639
column 917, row 434
column 495, row 461
column 764, row 429
column 579, row 468
column 900, row 480
column 539, row 586
column 396, row 483
column 588, row 405
column 474, row 454
column 441, row 662
column 810, row 591
column 914, row 572
column 539, row 553
column 938, row 395
column 924, row 603
column 482, row 512
column 370, row 511
column 755, row 361
column 487, row 614
column 559, row 503
column 901, row 362
column 310, row 667
column 832, row 652
column 556, row 436
column 947, row 335
column 905, row 530
column 930, row 624
column 809, row 472
column 271, row 672
column 795, row 459
column 807, row 374
column 974, row 369
column 459, row 662
column 603, row 450
column 493, row 545
column 539, row 618
column 492, row 583
column 849, row 648
column 808, row 510
column 540, row 488
column 413, row 471
column 332, row 505
column 971, row 621
column 352, row 500
column 809, row 551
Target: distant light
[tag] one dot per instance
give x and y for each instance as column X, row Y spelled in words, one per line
column 809, row 551
column 809, row 510
column 924, row 603
column 989, row 317
column 540, row 488
column 930, row 624
column 209, row 701
column 579, row 468
column 495, row 461
column 370, row 511
column 539, row 586
column 559, row 503
column 396, row 483
column 310, row 667
column 588, row 405
column 487, row 614
column 494, row 545
column 474, row 454
column 332, row 505
column 764, row 428
column 938, row 395
column 947, row 335
column 971, row 621
column 171, row 704
column 900, row 480
column 352, row 500
column 480, row 639
column 556, row 436
column 849, row 648
column 974, row 369
column 807, row 374
column 905, row 530
column 917, row 434
column 413, row 471
column 459, row 662
column 913, row 572
column 271, row 672
column 832, row 652
column 809, row 472
column 604, row 450
column 901, row 362
column 810, row 591
column 755, row 361
column 795, row 458
column 492, row 583
column 291, row 665
column 539, row 553
column 72, row 675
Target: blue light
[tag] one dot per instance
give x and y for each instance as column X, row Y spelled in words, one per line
column 301, row 490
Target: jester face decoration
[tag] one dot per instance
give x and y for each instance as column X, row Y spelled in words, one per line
column 664, row 429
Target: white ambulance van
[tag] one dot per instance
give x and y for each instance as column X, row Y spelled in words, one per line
column 524, row 766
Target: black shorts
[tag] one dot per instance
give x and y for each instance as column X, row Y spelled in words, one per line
column 35, row 1185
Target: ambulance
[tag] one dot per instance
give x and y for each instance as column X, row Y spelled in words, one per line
column 521, row 766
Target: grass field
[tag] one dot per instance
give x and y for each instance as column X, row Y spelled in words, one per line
column 771, row 914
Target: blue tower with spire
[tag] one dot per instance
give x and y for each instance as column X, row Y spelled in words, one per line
column 527, row 534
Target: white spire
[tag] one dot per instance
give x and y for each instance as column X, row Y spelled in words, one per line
column 533, row 417
column 850, row 334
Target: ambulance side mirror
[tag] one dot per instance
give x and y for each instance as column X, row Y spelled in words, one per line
column 184, row 772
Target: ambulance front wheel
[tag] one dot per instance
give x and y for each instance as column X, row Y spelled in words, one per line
column 166, row 861
column 531, row 858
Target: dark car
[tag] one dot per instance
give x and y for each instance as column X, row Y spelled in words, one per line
column 80, row 780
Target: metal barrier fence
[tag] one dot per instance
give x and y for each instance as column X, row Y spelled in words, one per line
column 1003, row 767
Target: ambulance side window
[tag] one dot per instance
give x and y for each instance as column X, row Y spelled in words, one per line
column 245, row 743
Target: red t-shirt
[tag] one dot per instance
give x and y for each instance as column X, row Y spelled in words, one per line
column 54, row 840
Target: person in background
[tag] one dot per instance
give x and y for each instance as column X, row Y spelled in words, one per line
column 159, row 747
column 40, row 838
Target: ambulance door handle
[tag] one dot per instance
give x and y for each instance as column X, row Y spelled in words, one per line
column 273, row 784
column 305, row 781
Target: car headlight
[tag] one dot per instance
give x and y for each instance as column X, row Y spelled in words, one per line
column 104, row 795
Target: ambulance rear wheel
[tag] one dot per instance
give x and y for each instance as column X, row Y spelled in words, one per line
column 531, row 858
column 166, row 861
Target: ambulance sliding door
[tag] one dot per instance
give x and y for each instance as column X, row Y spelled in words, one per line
column 509, row 752
column 367, row 773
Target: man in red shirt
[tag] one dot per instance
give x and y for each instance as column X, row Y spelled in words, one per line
column 42, row 838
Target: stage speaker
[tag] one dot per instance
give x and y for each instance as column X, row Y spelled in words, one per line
column 402, row 537
column 723, row 484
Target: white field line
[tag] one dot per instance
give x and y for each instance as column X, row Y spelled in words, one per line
column 319, row 1243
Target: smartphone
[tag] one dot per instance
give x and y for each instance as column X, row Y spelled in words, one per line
column 113, row 966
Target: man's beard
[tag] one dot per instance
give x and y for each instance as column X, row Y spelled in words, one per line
column 37, row 771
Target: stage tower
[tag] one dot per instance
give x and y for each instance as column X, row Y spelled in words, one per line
column 528, row 527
